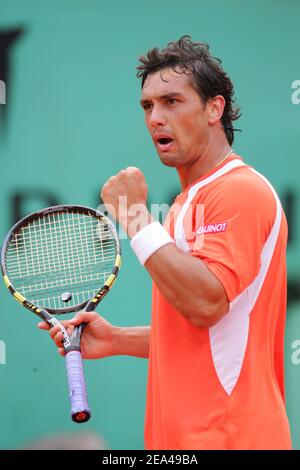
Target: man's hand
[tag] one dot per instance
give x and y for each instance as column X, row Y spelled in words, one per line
column 125, row 197
column 101, row 339
column 97, row 339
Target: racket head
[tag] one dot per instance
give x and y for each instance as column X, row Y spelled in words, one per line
column 61, row 259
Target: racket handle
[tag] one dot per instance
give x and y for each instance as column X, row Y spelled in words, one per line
column 80, row 411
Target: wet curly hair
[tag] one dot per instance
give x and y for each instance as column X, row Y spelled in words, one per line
column 207, row 76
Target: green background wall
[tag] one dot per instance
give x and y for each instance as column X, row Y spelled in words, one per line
column 73, row 120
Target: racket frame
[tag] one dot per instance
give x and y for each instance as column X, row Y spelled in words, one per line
column 71, row 343
column 50, row 210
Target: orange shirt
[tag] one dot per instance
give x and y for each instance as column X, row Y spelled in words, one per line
column 223, row 387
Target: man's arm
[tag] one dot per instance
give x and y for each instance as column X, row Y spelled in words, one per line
column 185, row 281
column 188, row 285
column 132, row 341
column 101, row 339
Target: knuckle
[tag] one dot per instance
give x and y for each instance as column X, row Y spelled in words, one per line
column 122, row 174
column 133, row 170
column 108, row 183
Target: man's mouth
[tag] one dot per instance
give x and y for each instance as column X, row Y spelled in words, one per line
column 164, row 143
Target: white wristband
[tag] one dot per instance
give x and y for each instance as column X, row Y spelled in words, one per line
column 148, row 240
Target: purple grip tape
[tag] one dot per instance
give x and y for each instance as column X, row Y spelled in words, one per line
column 79, row 406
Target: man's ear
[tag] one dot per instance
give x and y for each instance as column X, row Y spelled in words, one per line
column 215, row 108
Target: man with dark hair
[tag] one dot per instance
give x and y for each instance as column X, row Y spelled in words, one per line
column 206, row 74
column 215, row 345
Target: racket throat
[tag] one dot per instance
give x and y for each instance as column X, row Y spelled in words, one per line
column 54, row 322
column 72, row 343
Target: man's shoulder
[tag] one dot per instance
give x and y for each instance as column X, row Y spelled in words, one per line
column 241, row 186
column 241, row 193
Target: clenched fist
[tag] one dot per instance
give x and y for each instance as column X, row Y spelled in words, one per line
column 125, row 198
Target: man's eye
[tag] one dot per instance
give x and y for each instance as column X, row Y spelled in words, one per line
column 147, row 106
column 172, row 101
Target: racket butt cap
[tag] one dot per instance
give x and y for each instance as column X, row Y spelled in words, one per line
column 81, row 416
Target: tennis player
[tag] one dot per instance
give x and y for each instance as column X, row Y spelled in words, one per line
column 216, row 340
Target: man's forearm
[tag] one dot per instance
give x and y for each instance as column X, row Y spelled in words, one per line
column 188, row 285
column 132, row 341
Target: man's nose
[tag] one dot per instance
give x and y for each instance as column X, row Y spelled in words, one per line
column 157, row 117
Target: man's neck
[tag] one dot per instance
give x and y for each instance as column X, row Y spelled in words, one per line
column 207, row 161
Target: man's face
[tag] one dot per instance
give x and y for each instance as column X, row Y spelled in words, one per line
column 175, row 117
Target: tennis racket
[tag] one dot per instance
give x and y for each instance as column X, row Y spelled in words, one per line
column 60, row 260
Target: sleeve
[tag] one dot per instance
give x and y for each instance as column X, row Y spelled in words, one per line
column 230, row 230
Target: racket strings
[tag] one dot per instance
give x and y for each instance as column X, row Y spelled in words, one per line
column 61, row 252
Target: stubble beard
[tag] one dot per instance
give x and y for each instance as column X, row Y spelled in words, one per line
column 172, row 161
